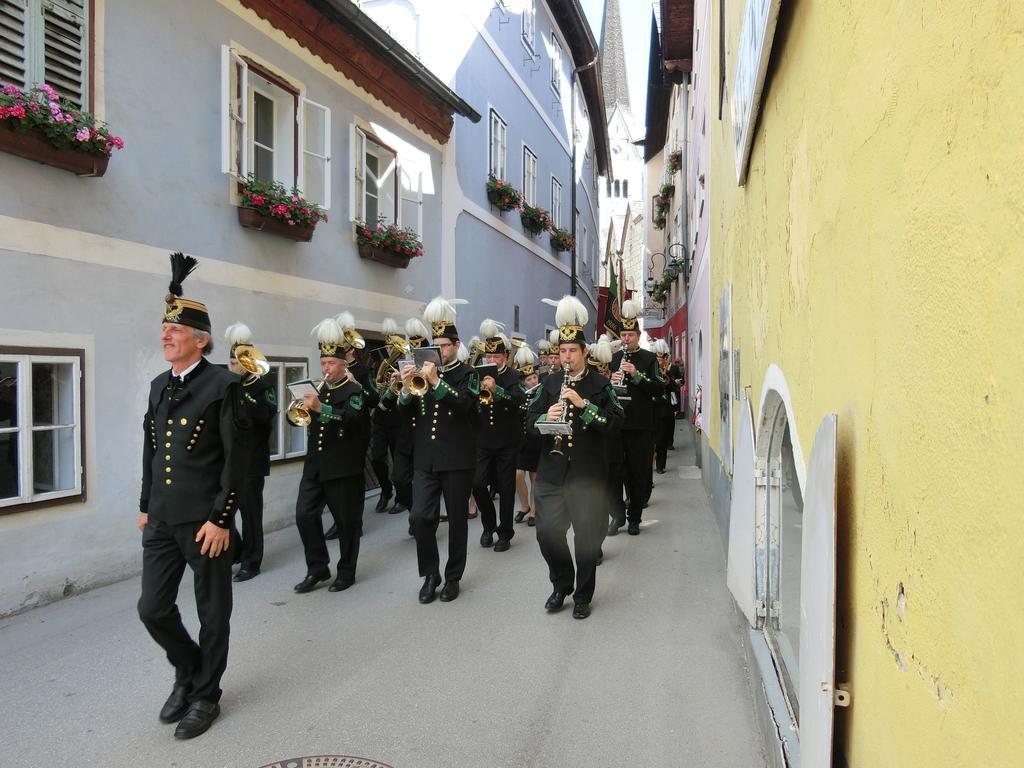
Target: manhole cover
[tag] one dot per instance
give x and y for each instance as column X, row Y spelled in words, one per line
column 327, row 761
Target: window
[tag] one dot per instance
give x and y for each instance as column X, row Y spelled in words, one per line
column 608, row 186
column 286, row 440
column 529, row 176
column 374, row 179
column 530, row 24
column 410, row 209
column 268, row 128
column 496, row 162
column 625, row 188
column 556, row 65
column 46, row 41
column 618, row 188
column 40, row 425
column 583, row 244
column 556, row 202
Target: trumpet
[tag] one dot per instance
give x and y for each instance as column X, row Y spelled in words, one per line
column 399, row 349
column 252, row 362
column 416, row 384
column 486, row 397
column 297, row 413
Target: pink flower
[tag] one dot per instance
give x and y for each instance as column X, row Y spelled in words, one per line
column 117, row 141
column 295, row 199
column 48, row 90
column 12, row 90
column 258, row 199
column 83, row 134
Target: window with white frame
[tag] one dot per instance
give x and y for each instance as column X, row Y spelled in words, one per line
column 286, row 440
column 46, row 41
column 40, row 425
column 374, row 178
column 496, row 162
column 530, row 24
column 556, row 65
column 269, row 129
column 529, row 176
column 410, row 209
column 556, row 202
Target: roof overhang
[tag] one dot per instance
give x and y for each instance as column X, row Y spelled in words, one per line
column 574, row 27
column 677, row 35
column 356, row 46
column 659, row 94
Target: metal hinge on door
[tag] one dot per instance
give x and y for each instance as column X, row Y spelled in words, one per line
column 840, row 695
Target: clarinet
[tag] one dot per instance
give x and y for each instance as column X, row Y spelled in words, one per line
column 557, row 449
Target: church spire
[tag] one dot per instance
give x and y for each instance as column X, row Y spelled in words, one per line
column 613, row 59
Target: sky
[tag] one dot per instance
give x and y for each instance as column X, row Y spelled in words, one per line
column 636, row 37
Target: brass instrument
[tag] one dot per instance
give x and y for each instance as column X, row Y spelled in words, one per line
column 416, row 384
column 354, row 339
column 399, row 349
column 252, row 362
column 297, row 413
column 486, row 397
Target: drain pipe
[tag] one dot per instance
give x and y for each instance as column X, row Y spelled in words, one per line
column 572, row 171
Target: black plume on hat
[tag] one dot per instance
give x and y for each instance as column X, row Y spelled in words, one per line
column 181, row 267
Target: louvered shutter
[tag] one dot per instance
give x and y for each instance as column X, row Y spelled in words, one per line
column 13, row 42
column 64, row 52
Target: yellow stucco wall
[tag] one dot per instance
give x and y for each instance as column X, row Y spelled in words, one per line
column 876, row 254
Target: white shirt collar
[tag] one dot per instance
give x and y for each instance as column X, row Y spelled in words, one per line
column 187, row 371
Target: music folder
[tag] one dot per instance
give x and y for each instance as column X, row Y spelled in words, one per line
column 423, row 355
column 487, row 369
column 299, row 389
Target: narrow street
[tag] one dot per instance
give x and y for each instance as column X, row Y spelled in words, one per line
column 656, row 677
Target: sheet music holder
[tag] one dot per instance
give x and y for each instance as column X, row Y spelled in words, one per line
column 299, row 389
column 487, row 369
column 554, row 427
column 423, row 355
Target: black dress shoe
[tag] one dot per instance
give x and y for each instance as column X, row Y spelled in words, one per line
column 382, row 502
column 429, row 589
column 449, row 591
column 634, row 529
column 197, row 720
column 555, row 600
column 613, row 527
column 244, row 574
column 311, row 580
column 332, row 532
column 660, row 470
column 502, row 545
column 520, row 516
column 340, row 584
column 531, row 521
column 176, row 705
column 486, row 539
column 398, row 508
column 581, row 610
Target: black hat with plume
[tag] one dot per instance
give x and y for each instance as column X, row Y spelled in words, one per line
column 184, row 311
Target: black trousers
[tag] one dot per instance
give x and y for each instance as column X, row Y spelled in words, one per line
column 427, row 489
column 497, row 466
column 665, row 428
column 384, row 441
column 166, row 550
column 250, row 512
column 401, row 469
column 344, row 497
column 582, row 506
column 616, row 506
column 637, row 447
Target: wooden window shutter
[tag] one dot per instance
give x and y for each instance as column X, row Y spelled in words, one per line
column 65, row 56
column 13, row 42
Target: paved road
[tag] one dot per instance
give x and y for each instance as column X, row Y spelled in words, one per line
column 656, row 677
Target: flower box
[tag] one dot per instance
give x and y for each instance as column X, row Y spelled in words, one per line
column 250, row 218
column 562, row 240
column 384, row 256
column 34, row 146
column 502, row 195
column 535, row 220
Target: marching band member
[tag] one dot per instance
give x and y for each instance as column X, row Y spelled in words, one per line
column 601, row 353
column 443, row 414
column 529, row 449
column 387, row 427
column 195, row 457
column 332, row 474
column 498, row 439
column 571, row 475
column 638, row 370
column 259, row 391
column 664, row 412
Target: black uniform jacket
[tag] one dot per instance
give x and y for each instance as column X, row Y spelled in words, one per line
column 386, row 415
column 501, row 423
column 583, row 453
column 364, row 376
column 643, row 388
column 337, row 437
column 444, row 421
column 196, row 442
column 261, row 398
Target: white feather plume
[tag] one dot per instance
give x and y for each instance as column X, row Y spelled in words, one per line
column 490, row 328
column 602, row 350
column 328, row 331
column 414, row 327
column 346, row 321
column 570, row 311
column 550, row 302
column 543, row 345
column 525, row 356
column 462, row 353
column 630, row 308
column 616, row 345
column 238, row 333
column 660, row 347
column 389, row 327
column 553, row 339
column 440, row 310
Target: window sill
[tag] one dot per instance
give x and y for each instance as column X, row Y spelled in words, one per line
column 33, row 146
column 249, row 218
